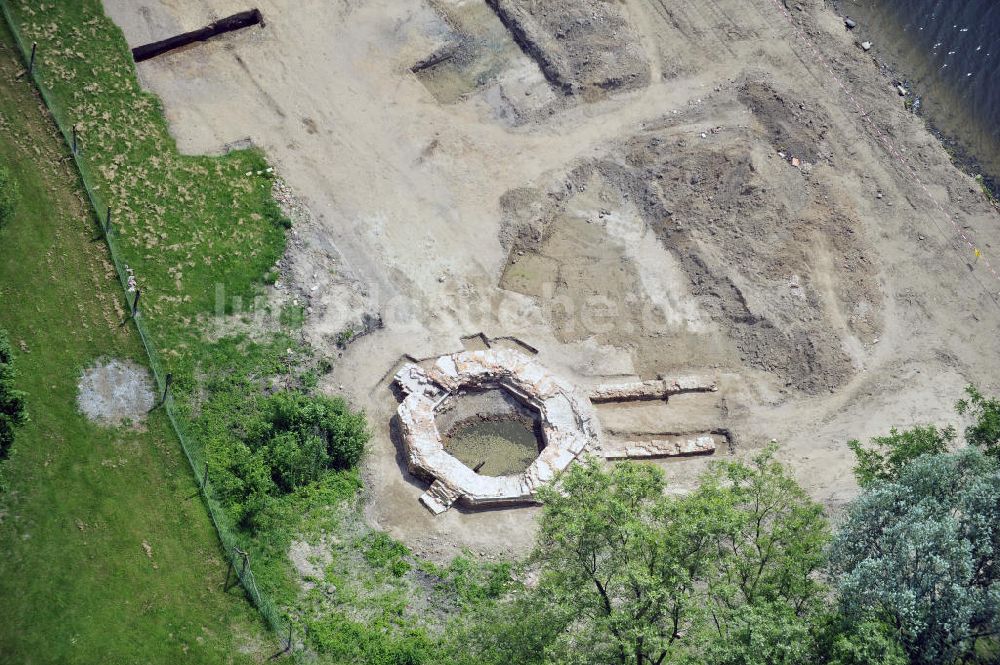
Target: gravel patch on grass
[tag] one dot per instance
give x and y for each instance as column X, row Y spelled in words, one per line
column 115, row 392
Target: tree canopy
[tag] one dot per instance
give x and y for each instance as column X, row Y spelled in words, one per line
column 920, row 553
column 629, row 574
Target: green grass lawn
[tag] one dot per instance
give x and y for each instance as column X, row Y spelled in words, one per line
column 186, row 224
column 84, row 500
column 76, row 584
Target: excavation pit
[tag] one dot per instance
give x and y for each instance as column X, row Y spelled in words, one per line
column 491, row 431
column 477, row 52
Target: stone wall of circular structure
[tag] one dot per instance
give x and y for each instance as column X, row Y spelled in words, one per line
column 567, row 422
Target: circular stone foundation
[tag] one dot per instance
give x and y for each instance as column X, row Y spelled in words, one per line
column 453, row 383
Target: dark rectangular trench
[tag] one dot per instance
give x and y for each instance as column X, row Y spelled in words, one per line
column 238, row 21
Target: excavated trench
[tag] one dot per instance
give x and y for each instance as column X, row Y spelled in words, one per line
column 239, row 21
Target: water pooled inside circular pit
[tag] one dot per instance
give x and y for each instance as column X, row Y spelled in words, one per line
column 499, row 447
column 491, row 432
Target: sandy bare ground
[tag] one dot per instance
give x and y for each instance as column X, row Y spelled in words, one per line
column 655, row 231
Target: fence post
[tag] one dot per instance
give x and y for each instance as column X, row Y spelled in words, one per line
column 107, row 224
column 76, row 148
column 31, row 62
column 166, row 386
column 135, row 303
column 243, row 570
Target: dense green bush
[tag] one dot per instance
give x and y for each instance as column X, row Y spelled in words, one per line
column 288, row 441
column 12, row 410
column 8, row 195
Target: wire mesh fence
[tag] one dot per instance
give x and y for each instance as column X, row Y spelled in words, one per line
column 236, row 554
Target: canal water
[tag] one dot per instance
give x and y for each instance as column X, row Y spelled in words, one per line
column 949, row 52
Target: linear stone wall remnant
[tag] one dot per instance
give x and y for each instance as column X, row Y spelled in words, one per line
column 651, row 390
column 673, row 447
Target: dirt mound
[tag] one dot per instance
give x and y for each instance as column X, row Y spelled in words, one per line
column 759, row 248
column 791, row 128
column 582, row 46
column 115, row 392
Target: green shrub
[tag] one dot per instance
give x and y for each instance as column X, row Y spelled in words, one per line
column 343, row 433
column 289, row 440
column 12, row 411
column 344, row 337
column 984, row 433
column 889, row 455
column 274, row 215
column 8, row 196
column 292, row 316
column 473, row 582
column 343, row 640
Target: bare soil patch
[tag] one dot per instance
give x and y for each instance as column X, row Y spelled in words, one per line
column 735, row 215
column 759, row 246
column 116, row 392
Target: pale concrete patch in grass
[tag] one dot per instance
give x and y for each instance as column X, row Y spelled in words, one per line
column 114, row 392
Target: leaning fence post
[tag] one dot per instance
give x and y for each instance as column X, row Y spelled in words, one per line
column 166, row 387
column 31, row 62
column 135, row 303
